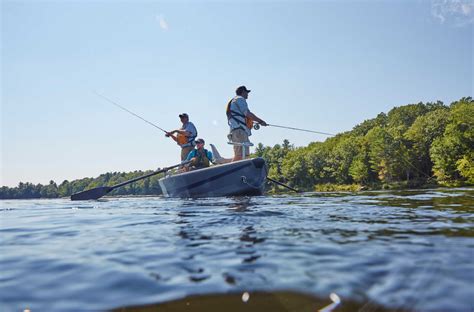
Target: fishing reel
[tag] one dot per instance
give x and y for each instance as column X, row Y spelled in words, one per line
column 256, row 126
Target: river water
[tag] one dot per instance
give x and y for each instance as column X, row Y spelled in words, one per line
column 378, row 251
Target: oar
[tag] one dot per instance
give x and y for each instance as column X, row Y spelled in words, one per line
column 284, row 185
column 98, row 192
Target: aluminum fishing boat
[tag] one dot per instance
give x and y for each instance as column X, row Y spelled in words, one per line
column 240, row 178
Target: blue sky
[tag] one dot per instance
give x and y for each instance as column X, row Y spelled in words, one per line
column 321, row 65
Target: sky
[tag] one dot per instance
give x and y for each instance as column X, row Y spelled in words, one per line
column 320, row 65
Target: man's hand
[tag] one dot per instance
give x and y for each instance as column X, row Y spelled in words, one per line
column 263, row 123
column 168, row 134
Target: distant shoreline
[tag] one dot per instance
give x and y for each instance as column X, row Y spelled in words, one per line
column 318, row 189
column 410, row 147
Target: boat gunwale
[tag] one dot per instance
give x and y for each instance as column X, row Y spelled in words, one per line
column 178, row 174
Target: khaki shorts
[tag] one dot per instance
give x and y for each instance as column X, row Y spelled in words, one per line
column 240, row 136
column 185, row 151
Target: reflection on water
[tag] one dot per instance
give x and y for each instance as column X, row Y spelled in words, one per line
column 192, row 236
column 379, row 251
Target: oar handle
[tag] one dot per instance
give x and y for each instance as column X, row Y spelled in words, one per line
column 137, row 179
column 149, row 175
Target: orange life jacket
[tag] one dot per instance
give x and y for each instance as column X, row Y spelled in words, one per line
column 231, row 115
column 181, row 139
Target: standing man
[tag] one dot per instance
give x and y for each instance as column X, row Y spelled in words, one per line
column 184, row 136
column 240, row 120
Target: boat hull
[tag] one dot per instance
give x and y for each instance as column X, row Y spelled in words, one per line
column 240, row 178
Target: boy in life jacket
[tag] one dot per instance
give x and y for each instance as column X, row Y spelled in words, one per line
column 240, row 120
column 199, row 157
column 184, row 136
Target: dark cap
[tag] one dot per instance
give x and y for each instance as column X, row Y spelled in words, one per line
column 183, row 115
column 241, row 89
column 200, row 141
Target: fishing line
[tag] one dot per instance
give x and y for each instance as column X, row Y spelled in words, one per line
column 401, row 156
column 128, row 111
column 257, row 126
column 297, row 129
column 413, row 166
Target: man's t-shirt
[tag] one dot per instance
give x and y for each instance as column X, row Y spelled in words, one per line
column 189, row 126
column 240, row 107
column 193, row 154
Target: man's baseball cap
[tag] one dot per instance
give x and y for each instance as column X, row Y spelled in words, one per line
column 241, row 89
column 183, row 115
column 200, row 141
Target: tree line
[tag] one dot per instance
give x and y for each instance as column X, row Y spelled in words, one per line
column 410, row 146
column 149, row 186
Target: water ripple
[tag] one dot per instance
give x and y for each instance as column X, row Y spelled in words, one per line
column 405, row 250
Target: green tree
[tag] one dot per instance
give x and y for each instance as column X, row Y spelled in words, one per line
column 421, row 135
column 452, row 153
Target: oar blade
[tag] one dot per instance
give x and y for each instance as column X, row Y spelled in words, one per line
column 94, row 193
column 98, row 192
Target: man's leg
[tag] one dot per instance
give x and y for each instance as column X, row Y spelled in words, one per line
column 239, row 136
column 185, row 151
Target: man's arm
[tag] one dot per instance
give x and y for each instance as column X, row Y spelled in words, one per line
column 256, row 118
column 189, row 131
column 244, row 109
column 184, row 132
column 171, row 135
column 179, row 131
column 210, row 157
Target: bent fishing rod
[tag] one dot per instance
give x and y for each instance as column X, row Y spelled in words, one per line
column 130, row 112
column 257, row 126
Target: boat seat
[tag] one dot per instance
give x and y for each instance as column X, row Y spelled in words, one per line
column 241, row 144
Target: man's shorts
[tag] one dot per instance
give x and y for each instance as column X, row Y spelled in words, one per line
column 185, row 151
column 240, row 136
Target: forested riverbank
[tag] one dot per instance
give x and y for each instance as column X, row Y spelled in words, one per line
column 424, row 144
column 415, row 145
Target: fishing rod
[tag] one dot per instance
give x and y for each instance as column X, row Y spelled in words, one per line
column 130, row 112
column 257, row 126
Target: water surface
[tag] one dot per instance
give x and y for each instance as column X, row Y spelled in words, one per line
column 410, row 250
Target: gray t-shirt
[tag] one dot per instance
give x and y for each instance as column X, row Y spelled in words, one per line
column 239, row 108
column 189, row 126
